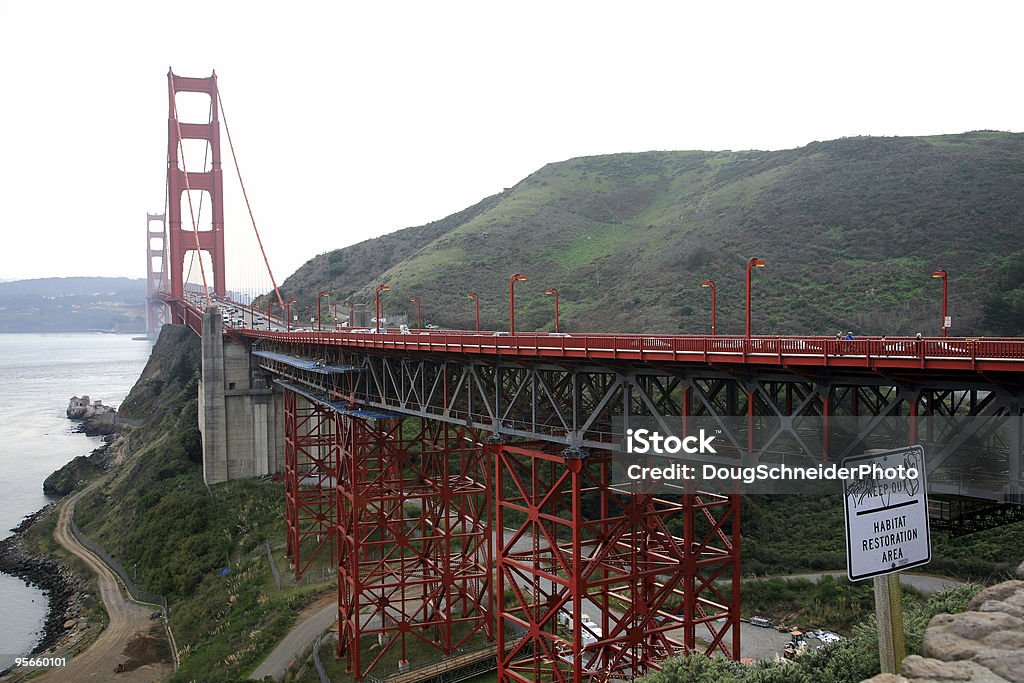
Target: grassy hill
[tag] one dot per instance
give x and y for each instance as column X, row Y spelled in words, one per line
column 851, row 230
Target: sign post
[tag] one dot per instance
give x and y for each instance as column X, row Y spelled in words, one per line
column 886, row 509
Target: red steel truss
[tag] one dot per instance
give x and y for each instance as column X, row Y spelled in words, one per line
column 414, row 537
column 310, row 471
column 574, row 546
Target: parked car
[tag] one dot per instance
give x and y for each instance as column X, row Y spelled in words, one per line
column 763, row 622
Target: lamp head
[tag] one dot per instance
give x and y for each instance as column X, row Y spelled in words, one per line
column 383, row 288
column 708, row 283
column 471, row 296
column 552, row 291
column 518, row 278
column 939, row 273
column 755, row 263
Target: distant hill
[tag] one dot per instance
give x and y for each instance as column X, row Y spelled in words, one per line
column 851, row 230
column 73, row 304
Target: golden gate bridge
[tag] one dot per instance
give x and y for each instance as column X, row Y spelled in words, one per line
column 462, row 481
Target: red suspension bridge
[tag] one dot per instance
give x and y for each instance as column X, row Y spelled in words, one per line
column 463, row 482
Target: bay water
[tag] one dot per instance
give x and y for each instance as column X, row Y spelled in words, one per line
column 38, row 374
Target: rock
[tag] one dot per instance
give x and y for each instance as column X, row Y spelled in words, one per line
column 886, row 678
column 1020, row 570
column 70, row 623
column 1000, row 591
column 1009, row 666
column 921, row 670
column 952, row 637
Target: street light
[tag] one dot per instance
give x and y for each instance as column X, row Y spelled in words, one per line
column 751, row 264
column 555, row 292
column 288, row 313
column 351, row 313
column 476, row 300
column 945, row 291
column 418, row 320
column 512, row 300
column 319, row 320
column 380, row 288
column 714, row 297
column 270, row 303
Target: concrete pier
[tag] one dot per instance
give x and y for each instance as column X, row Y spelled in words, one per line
column 241, row 417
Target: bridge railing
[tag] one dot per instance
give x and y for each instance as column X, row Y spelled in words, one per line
column 670, row 347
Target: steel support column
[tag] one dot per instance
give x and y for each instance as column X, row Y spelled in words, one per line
column 413, row 536
column 310, row 471
column 572, row 545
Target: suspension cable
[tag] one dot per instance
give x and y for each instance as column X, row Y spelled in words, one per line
column 252, row 218
column 188, row 190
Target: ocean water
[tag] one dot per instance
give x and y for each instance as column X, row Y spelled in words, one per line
column 38, row 374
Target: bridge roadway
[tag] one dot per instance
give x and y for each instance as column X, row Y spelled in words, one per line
column 957, row 354
column 586, row 390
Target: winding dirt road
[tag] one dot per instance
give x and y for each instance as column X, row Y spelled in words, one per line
column 131, row 638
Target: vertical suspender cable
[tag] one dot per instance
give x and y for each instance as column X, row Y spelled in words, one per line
column 246, row 196
column 188, row 190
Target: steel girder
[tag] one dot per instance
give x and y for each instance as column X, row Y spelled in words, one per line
column 415, row 541
column 573, row 545
column 310, row 471
column 819, row 417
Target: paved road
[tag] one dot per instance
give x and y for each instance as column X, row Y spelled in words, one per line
column 313, row 621
column 926, row 583
column 129, row 629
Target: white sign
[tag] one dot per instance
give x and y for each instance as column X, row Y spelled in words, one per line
column 947, row 321
column 886, row 513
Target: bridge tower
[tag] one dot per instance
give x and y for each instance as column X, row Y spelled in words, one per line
column 157, row 314
column 182, row 183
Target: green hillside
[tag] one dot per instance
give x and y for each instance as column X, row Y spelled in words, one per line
column 851, row 230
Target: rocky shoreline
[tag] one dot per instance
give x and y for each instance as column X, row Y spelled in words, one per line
column 63, row 589
column 79, row 470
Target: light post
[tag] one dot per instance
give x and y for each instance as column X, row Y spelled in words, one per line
column 945, row 291
column 351, row 313
column 319, row 320
column 380, row 288
column 418, row 320
column 555, row 292
column 476, row 300
column 269, row 304
column 714, row 306
column 751, row 264
column 288, row 314
column 512, row 300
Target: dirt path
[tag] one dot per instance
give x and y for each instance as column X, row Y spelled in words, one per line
column 131, row 638
column 312, row 621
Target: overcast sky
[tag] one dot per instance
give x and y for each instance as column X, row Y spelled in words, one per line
column 351, row 122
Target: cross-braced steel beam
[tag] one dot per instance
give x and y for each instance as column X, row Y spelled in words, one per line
column 573, row 546
column 414, row 538
column 310, row 472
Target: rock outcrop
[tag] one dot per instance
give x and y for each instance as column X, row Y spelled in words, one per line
column 985, row 644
